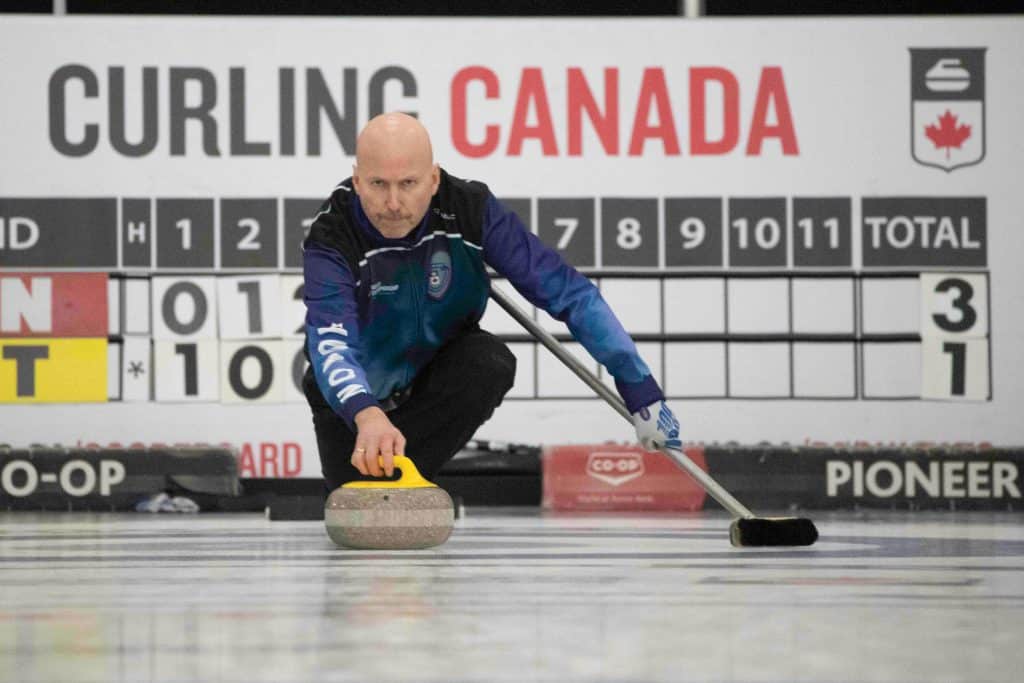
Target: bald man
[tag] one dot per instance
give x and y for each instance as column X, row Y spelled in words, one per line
column 395, row 285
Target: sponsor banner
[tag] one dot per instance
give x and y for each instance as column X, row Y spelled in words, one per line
column 609, row 477
column 86, row 479
column 256, row 459
column 822, row 478
column 266, row 460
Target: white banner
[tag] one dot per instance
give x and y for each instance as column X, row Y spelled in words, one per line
column 810, row 226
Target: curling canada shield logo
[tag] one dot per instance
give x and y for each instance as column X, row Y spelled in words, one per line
column 947, row 109
column 440, row 276
column 615, row 468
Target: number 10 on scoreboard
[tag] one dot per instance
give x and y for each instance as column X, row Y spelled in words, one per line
column 954, row 336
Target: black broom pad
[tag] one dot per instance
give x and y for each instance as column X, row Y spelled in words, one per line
column 772, row 531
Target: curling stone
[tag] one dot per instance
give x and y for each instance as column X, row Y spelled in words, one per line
column 407, row 514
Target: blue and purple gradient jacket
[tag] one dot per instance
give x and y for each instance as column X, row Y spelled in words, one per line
column 378, row 309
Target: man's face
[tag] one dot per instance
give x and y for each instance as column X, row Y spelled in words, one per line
column 395, row 189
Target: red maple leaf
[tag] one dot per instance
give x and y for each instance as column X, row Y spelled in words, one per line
column 947, row 134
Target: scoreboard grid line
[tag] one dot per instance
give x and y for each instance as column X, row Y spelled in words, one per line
column 662, row 230
column 661, row 329
column 725, row 327
column 122, row 314
column 218, row 235
column 858, row 329
column 599, row 372
column 989, row 333
column 856, row 224
column 788, row 228
column 611, row 272
column 789, row 315
column 119, row 232
column 279, row 209
column 536, row 369
column 740, row 337
column 151, row 323
column 120, row 376
column 153, row 262
column 726, row 252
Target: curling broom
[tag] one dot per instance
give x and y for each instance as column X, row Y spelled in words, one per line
column 746, row 530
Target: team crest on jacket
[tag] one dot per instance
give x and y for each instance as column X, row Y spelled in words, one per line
column 947, row 110
column 440, row 276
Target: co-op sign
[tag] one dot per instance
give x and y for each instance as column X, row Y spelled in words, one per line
column 941, row 477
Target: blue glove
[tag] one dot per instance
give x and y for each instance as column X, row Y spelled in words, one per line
column 656, row 426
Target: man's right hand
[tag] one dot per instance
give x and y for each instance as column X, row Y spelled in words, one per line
column 657, row 426
column 376, row 436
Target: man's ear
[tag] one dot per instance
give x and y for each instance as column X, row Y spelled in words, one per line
column 355, row 178
column 435, row 178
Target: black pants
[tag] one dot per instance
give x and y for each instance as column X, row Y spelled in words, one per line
column 451, row 397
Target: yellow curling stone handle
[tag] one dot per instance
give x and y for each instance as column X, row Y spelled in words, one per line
column 409, row 477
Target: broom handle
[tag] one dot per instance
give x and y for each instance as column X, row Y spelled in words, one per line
column 712, row 487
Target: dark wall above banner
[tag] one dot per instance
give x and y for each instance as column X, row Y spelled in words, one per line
column 511, row 8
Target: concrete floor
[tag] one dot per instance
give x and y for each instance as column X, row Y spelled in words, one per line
column 513, row 596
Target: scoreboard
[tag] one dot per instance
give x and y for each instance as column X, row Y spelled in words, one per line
column 805, row 250
column 200, row 299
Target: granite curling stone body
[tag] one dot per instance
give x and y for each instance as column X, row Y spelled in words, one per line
column 407, row 514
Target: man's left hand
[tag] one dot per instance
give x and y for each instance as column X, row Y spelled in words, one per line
column 657, row 426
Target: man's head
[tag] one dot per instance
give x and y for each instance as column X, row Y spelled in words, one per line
column 395, row 175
